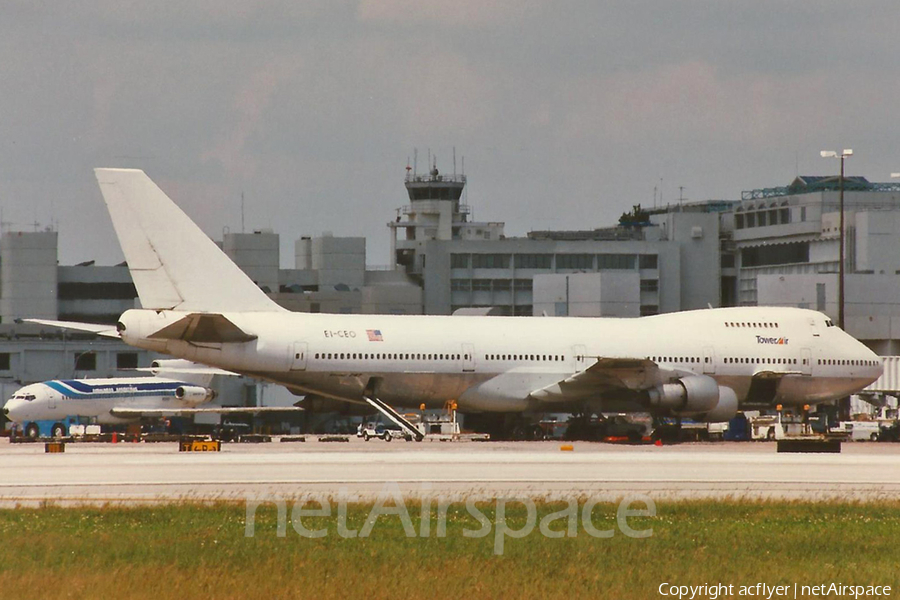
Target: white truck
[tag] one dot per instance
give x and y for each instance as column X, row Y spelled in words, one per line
column 779, row 426
column 859, row 430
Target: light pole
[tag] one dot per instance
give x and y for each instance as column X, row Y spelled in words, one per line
column 844, row 154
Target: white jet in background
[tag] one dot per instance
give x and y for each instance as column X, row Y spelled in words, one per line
column 177, row 388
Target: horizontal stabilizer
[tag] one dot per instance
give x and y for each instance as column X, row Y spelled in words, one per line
column 201, row 328
column 131, row 413
column 95, row 328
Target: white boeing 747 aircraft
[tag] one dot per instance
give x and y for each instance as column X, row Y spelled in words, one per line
column 177, row 388
column 702, row 364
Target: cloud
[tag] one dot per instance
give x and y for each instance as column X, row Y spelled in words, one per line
column 568, row 112
column 437, row 13
column 697, row 101
column 250, row 103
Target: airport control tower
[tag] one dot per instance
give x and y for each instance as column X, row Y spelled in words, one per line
column 436, row 212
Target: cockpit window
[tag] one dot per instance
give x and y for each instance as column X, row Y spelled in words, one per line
column 829, row 323
column 29, row 397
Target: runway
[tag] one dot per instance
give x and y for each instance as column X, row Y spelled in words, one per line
column 145, row 473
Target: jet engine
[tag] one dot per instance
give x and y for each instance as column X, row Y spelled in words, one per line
column 696, row 396
column 194, row 394
column 172, row 365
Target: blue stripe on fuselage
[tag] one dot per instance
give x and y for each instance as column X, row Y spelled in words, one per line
column 71, row 388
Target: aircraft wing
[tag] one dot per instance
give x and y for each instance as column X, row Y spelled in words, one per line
column 165, row 412
column 95, row 328
column 606, row 374
column 774, row 374
column 198, row 370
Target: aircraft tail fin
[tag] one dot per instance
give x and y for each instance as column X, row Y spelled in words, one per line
column 174, row 265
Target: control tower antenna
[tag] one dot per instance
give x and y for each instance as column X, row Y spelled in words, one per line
column 454, row 162
column 242, row 211
column 415, row 161
column 465, row 189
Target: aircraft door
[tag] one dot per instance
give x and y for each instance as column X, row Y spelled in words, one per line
column 51, row 400
column 709, row 360
column 814, row 326
column 299, row 357
column 805, row 361
column 580, row 358
column 468, row 358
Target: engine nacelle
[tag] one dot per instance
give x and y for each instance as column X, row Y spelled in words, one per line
column 696, row 396
column 725, row 410
column 194, row 394
column 171, row 365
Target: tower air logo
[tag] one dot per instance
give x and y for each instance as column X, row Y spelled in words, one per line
column 779, row 341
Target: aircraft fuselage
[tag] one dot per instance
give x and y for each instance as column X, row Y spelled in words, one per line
column 497, row 363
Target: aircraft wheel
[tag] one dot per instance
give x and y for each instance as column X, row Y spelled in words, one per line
column 873, row 437
column 58, row 430
column 32, row 431
column 520, row 434
column 387, row 436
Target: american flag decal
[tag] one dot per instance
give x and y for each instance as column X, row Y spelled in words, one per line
column 374, row 335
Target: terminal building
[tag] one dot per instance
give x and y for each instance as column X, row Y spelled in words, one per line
column 787, row 241
column 774, row 246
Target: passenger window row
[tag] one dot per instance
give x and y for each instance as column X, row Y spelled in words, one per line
column 386, row 356
column 676, row 359
column 761, row 361
column 531, row 357
column 847, row 362
column 757, row 325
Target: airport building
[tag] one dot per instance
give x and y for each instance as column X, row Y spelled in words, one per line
column 788, row 247
column 775, row 246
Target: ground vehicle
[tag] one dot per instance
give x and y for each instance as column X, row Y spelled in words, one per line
column 859, row 430
column 230, row 431
column 601, row 427
column 738, row 429
column 891, row 433
column 778, row 426
column 553, row 428
column 50, row 428
column 380, row 430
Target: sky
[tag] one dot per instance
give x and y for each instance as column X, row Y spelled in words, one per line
column 567, row 112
